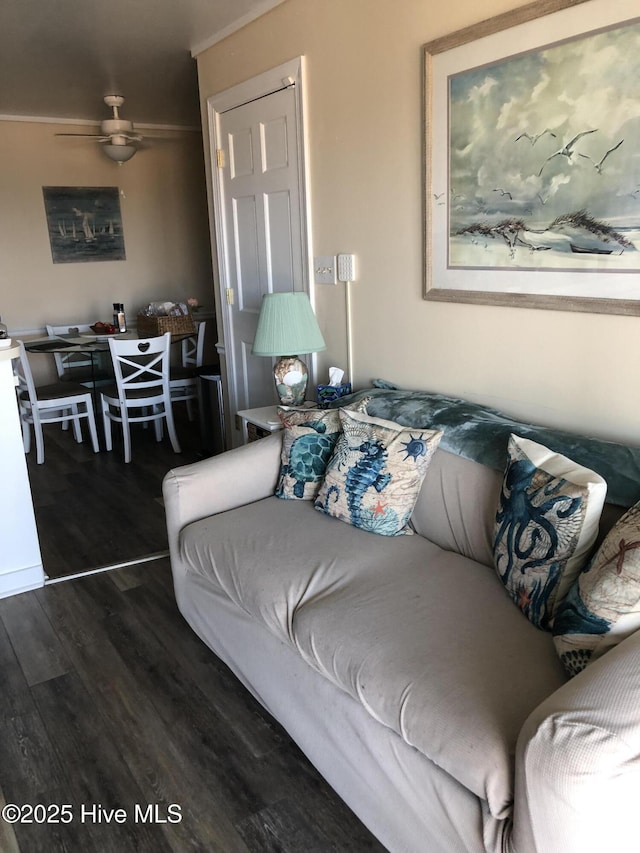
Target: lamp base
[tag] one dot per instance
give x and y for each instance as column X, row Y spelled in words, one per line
column 291, row 376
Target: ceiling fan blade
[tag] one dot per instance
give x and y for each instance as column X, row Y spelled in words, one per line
column 86, row 135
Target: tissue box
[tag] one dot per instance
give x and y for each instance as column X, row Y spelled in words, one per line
column 328, row 393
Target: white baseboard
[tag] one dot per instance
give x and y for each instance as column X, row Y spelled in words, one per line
column 21, row 580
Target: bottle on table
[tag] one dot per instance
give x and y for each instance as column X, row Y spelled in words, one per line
column 119, row 317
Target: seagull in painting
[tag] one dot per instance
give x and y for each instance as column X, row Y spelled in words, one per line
column 502, row 192
column 598, row 166
column 567, row 150
column 533, row 138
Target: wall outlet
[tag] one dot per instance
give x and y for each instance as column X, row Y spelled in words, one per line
column 346, row 267
column 324, row 269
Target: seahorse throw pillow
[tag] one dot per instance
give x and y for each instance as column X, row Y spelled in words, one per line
column 308, row 441
column 375, row 473
column 546, row 524
column 602, row 607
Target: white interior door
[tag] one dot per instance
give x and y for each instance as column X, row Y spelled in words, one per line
column 261, row 235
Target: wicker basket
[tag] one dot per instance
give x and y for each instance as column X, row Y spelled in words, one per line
column 151, row 327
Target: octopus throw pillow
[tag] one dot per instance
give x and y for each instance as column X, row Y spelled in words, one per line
column 546, row 524
column 375, row 473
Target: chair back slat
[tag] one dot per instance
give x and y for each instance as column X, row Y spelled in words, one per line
column 139, row 364
column 142, row 394
column 193, row 347
column 66, row 361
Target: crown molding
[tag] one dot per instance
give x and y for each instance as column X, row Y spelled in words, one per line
column 257, row 12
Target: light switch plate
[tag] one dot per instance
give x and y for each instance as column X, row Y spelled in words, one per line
column 324, row 269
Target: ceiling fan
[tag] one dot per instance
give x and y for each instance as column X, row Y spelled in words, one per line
column 116, row 134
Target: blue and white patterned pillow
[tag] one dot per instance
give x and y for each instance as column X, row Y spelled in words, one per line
column 546, row 524
column 602, row 607
column 376, row 471
column 309, row 439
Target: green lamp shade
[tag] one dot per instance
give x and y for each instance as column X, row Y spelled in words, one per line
column 287, row 326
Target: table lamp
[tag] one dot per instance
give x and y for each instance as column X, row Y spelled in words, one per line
column 287, row 324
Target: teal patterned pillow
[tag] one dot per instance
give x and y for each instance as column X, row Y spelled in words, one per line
column 546, row 524
column 375, row 474
column 308, row 441
column 603, row 605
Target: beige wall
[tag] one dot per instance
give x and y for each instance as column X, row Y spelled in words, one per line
column 164, row 213
column 363, row 76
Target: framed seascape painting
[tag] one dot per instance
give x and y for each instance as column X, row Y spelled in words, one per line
column 532, row 159
column 84, row 224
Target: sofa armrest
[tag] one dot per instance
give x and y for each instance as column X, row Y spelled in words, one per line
column 220, row 483
column 578, row 761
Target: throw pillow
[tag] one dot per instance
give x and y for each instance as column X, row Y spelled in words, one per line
column 603, row 605
column 308, row 441
column 546, row 523
column 375, row 473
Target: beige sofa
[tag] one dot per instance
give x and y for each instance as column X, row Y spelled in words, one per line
column 401, row 667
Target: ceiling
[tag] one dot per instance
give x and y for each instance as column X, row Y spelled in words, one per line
column 58, row 58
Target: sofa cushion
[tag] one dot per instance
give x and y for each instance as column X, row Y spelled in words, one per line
column 374, row 476
column 603, row 605
column 456, row 506
column 426, row 640
column 546, row 524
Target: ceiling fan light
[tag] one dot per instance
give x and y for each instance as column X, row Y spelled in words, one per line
column 119, row 153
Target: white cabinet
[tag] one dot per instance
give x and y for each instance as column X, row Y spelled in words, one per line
column 20, row 559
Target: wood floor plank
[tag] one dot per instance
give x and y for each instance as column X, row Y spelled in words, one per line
column 34, row 641
column 150, row 747
column 280, row 829
column 31, row 773
column 14, row 690
column 8, row 840
column 100, row 781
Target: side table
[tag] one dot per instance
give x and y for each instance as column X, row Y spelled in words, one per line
column 258, row 423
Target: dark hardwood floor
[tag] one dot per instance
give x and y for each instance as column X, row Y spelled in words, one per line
column 110, row 701
column 93, row 510
column 112, row 706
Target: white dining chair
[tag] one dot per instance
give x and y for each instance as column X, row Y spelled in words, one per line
column 141, row 392
column 77, row 366
column 60, row 402
column 183, row 378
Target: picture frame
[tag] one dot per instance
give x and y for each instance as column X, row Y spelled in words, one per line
column 530, row 174
column 84, row 224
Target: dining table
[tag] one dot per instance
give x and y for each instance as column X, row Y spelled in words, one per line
column 86, row 344
column 93, row 345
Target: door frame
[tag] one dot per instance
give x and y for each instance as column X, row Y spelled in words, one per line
column 291, row 72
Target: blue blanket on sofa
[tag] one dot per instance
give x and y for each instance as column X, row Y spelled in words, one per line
column 481, row 433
